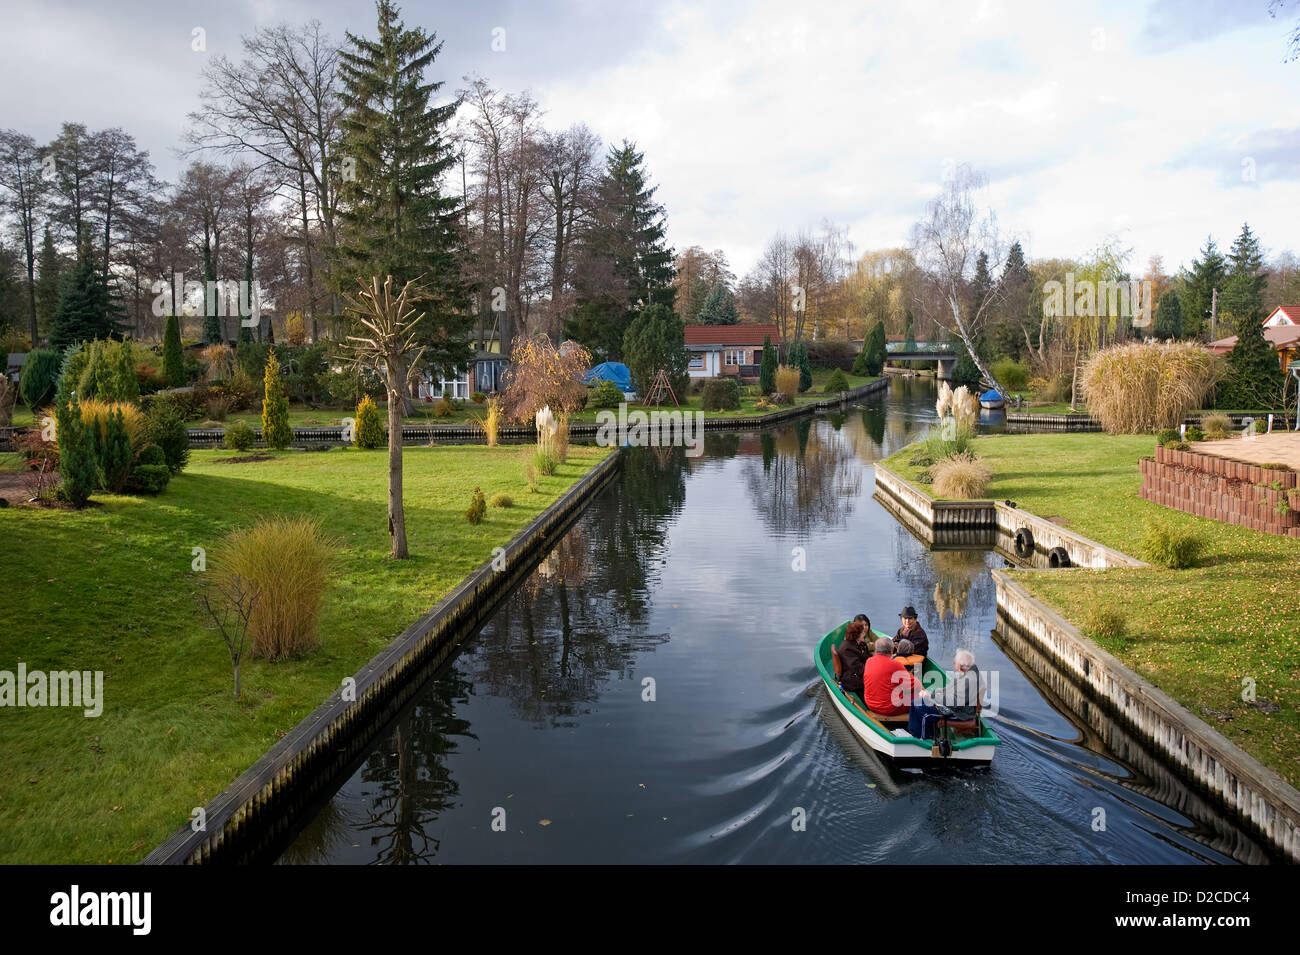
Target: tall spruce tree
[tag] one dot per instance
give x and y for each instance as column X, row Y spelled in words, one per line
column 719, row 308
column 394, row 218
column 87, row 309
column 1207, row 274
column 624, row 264
column 1254, row 381
column 173, row 362
column 50, row 271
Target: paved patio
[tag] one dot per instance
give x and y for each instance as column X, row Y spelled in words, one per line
column 1280, row 447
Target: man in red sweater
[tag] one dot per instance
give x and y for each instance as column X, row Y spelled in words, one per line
column 887, row 686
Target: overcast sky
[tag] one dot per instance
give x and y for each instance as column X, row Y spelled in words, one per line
column 1156, row 124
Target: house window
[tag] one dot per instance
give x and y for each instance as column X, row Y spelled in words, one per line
column 697, row 361
column 736, row 356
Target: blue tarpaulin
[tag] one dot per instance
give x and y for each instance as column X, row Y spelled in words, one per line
column 990, row 395
column 614, row 371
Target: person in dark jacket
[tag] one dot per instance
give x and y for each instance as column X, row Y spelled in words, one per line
column 911, row 630
column 853, row 656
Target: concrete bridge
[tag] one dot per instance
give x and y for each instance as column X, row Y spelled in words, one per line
column 942, row 352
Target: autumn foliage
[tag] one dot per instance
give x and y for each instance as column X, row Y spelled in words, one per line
column 542, row 376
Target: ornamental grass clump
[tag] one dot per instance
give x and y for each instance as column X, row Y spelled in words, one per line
column 1171, row 547
column 787, row 381
column 287, row 562
column 1140, row 387
column 960, row 476
column 490, row 423
column 1104, row 622
column 1216, row 426
column 95, row 414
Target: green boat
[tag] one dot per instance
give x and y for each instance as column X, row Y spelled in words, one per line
column 969, row 743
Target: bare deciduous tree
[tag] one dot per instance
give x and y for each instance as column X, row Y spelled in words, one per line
column 231, row 616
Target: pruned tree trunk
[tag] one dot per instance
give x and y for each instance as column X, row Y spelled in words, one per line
column 396, row 512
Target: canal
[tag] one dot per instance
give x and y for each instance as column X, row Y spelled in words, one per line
column 648, row 694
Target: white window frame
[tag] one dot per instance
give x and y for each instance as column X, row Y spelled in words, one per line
column 737, row 353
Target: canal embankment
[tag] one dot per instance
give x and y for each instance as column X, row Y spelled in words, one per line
column 1180, row 635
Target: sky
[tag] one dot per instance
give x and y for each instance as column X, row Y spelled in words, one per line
column 1150, row 125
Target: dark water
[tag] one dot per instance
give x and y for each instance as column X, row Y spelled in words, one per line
column 682, row 572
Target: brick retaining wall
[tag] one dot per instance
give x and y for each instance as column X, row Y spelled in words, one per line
column 1221, row 489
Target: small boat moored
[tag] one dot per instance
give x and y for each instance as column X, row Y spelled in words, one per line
column 970, row 743
column 991, row 399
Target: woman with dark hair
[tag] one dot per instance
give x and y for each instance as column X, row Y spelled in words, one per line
column 853, row 657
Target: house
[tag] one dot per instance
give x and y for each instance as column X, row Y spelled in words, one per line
column 484, row 371
column 728, row 351
column 1281, row 329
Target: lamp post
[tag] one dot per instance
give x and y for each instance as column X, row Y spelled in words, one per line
column 1295, row 373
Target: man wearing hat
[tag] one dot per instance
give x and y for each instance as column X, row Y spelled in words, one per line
column 911, row 630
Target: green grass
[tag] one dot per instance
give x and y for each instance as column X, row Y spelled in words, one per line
column 1195, row 633
column 111, row 588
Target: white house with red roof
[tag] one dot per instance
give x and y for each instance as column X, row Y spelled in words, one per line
column 728, row 351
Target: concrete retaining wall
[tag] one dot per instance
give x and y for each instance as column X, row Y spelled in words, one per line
column 1257, row 795
column 256, row 811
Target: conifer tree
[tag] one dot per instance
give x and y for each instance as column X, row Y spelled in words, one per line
column 173, row 363
column 87, row 308
column 128, row 385
column 116, row 456
column 275, row 407
column 767, row 367
column 394, row 218
column 654, row 342
column 719, row 308
column 1207, row 274
column 48, row 282
column 1169, row 317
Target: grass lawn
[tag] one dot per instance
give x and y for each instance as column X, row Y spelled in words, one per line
column 111, row 588
column 1195, row 633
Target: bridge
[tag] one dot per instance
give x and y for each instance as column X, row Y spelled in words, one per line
column 945, row 353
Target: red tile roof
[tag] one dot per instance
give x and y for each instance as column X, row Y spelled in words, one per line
column 1290, row 311
column 703, row 335
column 1279, row 336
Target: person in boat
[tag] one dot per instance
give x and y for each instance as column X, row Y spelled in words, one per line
column 913, row 631
column 868, row 640
column 887, row 685
column 853, row 657
column 961, row 698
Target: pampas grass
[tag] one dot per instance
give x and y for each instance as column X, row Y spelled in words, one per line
column 960, row 476
column 286, row 561
column 787, row 380
column 1138, row 388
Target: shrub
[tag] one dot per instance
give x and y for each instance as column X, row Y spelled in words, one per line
column 1165, row 435
column 1052, row 389
column 478, row 397
column 477, row 507
column 238, row 437
column 1175, row 445
column 286, row 561
column 116, row 456
column 545, row 462
column 78, row 456
column 241, row 390
column 217, row 406
column 501, row 499
column 1011, row 374
column 787, row 381
column 369, row 431
column 151, row 456
column 605, row 395
column 560, row 440
column 1261, row 425
column 828, row 353
column 960, row 476
column 275, row 407
column 165, row 427
column 721, row 394
column 148, row 479
column 443, row 407
column 1102, row 621
column 1194, row 433
column 530, row 471
column 1139, row 387
column 799, row 359
column 1171, row 547
column 40, row 378
column 8, row 398
column 836, row 382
